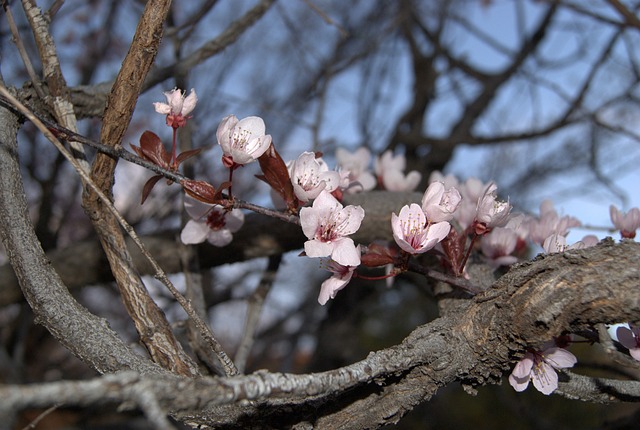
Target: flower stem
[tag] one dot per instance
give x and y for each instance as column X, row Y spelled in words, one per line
column 460, row 267
column 375, row 278
column 174, row 164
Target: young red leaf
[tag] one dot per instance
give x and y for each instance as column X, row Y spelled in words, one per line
column 183, row 156
column 277, row 176
column 148, row 186
column 201, row 190
column 379, row 255
column 152, row 149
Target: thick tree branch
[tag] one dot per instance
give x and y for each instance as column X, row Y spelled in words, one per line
column 476, row 345
column 87, row 336
column 150, row 321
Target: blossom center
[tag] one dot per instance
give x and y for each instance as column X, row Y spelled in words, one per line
column 216, row 220
column 414, row 231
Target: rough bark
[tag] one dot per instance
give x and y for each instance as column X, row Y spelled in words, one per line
column 86, row 335
column 476, row 345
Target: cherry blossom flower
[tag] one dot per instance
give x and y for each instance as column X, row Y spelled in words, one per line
column 490, row 212
column 242, row 141
column 340, row 278
column 438, row 204
column 629, row 337
column 311, row 175
column 627, row 223
column 355, row 165
column 549, row 223
column 413, row 233
column 178, row 107
column 540, row 367
column 210, row 222
column 390, row 172
column 498, row 246
column 327, row 224
column 471, row 191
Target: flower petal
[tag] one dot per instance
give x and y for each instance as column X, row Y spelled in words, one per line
column 194, row 232
column 345, row 252
column 219, row 238
column 559, row 358
column 545, row 379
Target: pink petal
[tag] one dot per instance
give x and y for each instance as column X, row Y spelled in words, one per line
column 189, row 103
column 439, row 230
column 194, row 232
column 315, row 248
column 330, row 288
column 251, row 124
column 219, row 238
column 309, row 221
column 559, row 358
column 162, row 108
column 519, row 384
column 350, row 219
column 523, row 367
column 545, row 379
column 344, row 252
column 234, row 220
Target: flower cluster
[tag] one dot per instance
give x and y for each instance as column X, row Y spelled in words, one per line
column 450, row 218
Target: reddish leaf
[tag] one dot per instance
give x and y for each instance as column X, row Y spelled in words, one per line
column 187, row 154
column 148, row 186
column 277, row 176
column 379, row 255
column 376, row 260
column 152, row 149
column 201, row 190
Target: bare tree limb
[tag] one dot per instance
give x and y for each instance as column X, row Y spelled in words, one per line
column 529, row 305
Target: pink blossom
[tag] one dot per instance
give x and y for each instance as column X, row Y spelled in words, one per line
column 491, row 212
column 390, row 172
column 627, row 223
column 630, row 338
column 356, row 165
column 540, row 367
column 413, row 233
column 311, row 175
column 210, row 222
column 549, row 223
column 340, row 278
column 177, row 108
column 498, row 246
column 327, row 224
column 242, row 141
column 438, row 204
column 471, row 191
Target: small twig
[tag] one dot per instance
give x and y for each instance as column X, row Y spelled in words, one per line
column 326, row 18
column 229, row 367
column 40, row 417
column 22, row 50
column 443, row 277
column 148, row 403
column 254, row 310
